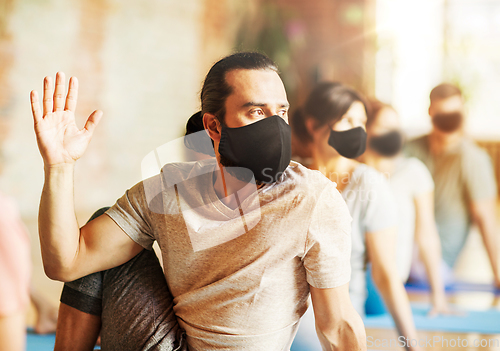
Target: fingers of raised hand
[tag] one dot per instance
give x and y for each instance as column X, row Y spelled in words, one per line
column 35, row 106
column 72, row 95
column 59, row 92
column 92, row 121
column 47, row 95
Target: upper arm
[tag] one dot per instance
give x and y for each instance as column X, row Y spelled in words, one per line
column 103, row 245
column 480, row 179
column 331, row 305
column 424, row 212
column 327, row 249
column 381, row 248
column 483, row 211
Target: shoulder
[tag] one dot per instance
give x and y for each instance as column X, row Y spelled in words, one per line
column 175, row 173
column 311, row 184
column 473, row 152
column 414, row 166
column 368, row 177
column 417, row 146
column 420, row 141
column 304, row 177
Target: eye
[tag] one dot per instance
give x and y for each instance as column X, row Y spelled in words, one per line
column 257, row 112
column 282, row 113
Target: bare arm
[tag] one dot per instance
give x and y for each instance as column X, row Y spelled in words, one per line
column 483, row 214
column 381, row 252
column 338, row 325
column 429, row 244
column 13, row 332
column 69, row 253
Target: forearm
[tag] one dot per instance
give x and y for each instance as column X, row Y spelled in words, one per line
column 396, row 299
column 430, row 252
column 58, row 228
column 488, row 231
column 348, row 334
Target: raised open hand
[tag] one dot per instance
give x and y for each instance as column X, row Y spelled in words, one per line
column 59, row 139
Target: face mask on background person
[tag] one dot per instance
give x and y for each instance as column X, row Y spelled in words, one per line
column 349, row 143
column 263, row 147
column 388, row 144
column 448, row 122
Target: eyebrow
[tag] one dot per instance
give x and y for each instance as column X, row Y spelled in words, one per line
column 260, row 104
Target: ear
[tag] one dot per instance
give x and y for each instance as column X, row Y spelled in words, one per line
column 212, row 126
column 430, row 111
column 311, row 126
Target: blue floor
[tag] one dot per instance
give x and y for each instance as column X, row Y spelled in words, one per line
column 40, row 342
column 483, row 322
column 456, row 287
column 36, row 342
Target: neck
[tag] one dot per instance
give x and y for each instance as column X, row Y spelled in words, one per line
column 335, row 167
column 226, row 185
column 382, row 164
column 441, row 142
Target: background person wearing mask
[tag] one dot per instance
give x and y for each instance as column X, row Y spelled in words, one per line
column 413, row 190
column 332, row 125
column 465, row 187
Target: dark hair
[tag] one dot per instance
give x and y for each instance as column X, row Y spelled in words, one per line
column 327, row 103
column 374, row 108
column 444, row 91
column 215, row 89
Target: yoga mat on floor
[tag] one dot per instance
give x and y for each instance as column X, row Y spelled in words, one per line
column 37, row 342
column 456, row 287
column 483, row 322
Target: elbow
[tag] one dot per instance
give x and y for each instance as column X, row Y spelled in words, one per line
column 345, row 334
column 58, row 274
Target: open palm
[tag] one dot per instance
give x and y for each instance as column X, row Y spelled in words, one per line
column 59, row 139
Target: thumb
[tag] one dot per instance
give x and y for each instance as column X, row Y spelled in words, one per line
column 92, row 121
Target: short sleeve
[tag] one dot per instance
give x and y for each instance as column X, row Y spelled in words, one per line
column 328, row 244
column 422, row 179
column 381, row 210
column 479, row 176
column 132, row 214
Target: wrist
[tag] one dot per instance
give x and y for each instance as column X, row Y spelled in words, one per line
column 438, row 299
column 60, row 168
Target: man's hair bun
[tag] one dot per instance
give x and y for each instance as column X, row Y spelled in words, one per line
column 196, row 138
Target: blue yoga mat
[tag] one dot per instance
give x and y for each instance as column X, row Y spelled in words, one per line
column 483, row 322
column 456, row 287
column 37, row 342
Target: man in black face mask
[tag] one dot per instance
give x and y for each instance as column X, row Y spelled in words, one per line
column 465, row 187
column 245, row 236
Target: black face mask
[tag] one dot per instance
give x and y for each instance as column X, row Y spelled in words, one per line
column 388, row 144
column 447, row 122
column 348, row 143
column 263, row 147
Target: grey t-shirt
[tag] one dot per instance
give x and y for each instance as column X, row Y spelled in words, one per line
column 460, row 176
column 410, row 179
column 240, row 278
column 372, row 207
